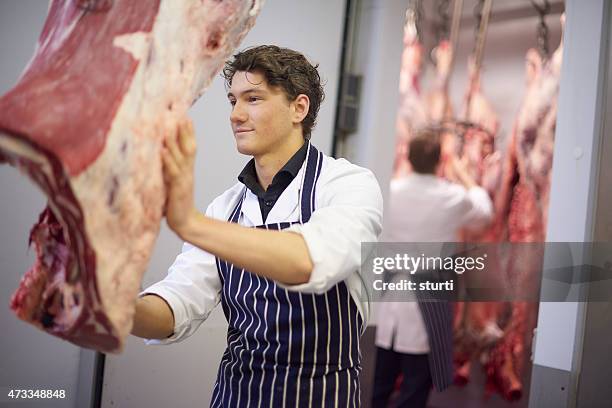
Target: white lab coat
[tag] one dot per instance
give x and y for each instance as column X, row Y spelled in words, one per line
column 423, row 208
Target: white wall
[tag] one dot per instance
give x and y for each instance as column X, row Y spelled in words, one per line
column 183, row 375
column 377, row 58
column 29, row 358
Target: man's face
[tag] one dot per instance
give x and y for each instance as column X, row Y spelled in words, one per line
column 261, row 115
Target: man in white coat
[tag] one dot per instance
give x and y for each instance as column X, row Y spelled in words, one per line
column 415, row 338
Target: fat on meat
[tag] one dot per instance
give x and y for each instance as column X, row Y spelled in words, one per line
column 109, row 80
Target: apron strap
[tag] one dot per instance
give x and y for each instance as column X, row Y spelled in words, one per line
column 314, row 162
column 235, row 214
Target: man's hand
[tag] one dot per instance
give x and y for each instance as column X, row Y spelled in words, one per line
column 178, row 157
column 460, row 172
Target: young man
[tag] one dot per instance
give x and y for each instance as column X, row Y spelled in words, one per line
column 414, row 338
column 290, row 288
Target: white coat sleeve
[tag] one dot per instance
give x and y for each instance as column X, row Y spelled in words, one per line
column 349, row 210
column 192, row 289
column 480, row 208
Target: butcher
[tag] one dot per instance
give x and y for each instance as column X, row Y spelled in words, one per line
column 280, row 249
column 415, row 338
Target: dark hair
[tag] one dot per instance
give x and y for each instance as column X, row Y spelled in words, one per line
column 424, row 150
column 283, row 68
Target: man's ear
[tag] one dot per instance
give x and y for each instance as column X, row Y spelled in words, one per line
column 300, row 107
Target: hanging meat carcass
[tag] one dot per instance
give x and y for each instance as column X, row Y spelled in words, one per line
column 108, row 81
column 411, row 114
column 526, row 185
column 476, row 323
column 478, row 146
column 439, row 108
column 416, row 111
column 438, row 105
column 505, row 361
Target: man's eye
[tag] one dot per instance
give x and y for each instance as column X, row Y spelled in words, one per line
column 253, row 98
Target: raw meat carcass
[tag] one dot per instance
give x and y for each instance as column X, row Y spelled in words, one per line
column 439, row 107
column 483, row 125
column 504, row 362
column 533, row 150
column 108, row 81
column 415, row 111
column 476, row 326
column 411, row 113
column 524, row 203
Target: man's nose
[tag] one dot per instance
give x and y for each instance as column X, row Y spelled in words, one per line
column 238, row 114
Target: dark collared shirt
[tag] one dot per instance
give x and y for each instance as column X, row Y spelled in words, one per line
column 267, row 198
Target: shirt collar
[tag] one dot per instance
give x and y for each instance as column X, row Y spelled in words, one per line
column 248, row 175
column 423, row 176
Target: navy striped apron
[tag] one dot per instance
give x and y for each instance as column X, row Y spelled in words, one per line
column 438, row 319
column 287, row 348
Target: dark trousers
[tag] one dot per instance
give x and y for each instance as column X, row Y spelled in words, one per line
column 416, row 383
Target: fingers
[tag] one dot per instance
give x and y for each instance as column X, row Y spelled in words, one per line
column 171, row 168
column 172, row 148
column 178, row 151
column 186, row 138
column 183, row 143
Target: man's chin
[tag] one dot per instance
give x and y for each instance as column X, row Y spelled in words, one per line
column 246, row 152
column 246, row 149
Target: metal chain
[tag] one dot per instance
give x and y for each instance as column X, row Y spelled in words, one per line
column 443, row 26
column 543, row 39
column 478, row 18
column 418, row 7
column 542, row 30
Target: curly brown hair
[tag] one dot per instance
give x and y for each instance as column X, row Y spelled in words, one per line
column 283, row 68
